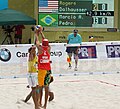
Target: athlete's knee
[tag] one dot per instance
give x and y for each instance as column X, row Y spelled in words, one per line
column 37, row 90
column 76, row 57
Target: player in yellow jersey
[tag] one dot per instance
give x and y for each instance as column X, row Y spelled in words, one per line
column 32, row 74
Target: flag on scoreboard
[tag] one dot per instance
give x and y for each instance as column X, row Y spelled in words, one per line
column 48, row 5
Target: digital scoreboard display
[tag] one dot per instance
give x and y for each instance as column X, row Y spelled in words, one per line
column 76, row 13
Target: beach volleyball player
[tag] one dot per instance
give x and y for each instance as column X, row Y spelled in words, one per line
column 32, row 74
column 44, row 67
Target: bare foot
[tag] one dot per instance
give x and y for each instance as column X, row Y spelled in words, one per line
column 40, row 105
column 51, row 94
column 37, row 107
column 44, row 107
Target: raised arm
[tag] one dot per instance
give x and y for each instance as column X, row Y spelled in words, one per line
column 38, row 30
column 43, row 37
column 37, row 43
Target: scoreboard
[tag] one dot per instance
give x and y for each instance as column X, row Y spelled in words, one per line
column 103, row 13
column 76, row 13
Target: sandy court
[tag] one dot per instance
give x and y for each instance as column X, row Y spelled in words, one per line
column 71, row 92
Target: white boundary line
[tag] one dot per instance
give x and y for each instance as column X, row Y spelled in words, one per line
column 60, row 74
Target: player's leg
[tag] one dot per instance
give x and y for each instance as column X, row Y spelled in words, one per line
column 40, row 94
column 41, row 78
column 46, row 84
column 69, row 53
column 46, row 96
column 34, row 89
column 34, row 96
column 76, row 62
column 32, row 83
column 28, row 97
column 37, row 90
column 76, row 58
column 29, row 78
column 70, row 59
column 51, row 95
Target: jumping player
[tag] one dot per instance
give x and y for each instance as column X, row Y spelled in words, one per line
column 44, row 67
column 32, row 74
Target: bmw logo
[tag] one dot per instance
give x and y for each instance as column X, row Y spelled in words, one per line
column 5, row 55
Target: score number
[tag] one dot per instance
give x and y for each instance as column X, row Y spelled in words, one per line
column 99, row 20
column 99, row 7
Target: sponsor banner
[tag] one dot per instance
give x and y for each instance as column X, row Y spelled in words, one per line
column 14, row 53
column 13, row 58
column 113, row 51
column 19, row 53
column 58, row 52
column 87, row 52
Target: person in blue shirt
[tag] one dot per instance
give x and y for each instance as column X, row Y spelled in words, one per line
column 73, row 38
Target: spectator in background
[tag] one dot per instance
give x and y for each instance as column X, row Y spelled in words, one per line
column 73, row 38
column 18, row 33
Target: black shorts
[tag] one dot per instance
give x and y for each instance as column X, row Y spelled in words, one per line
column 71, row 50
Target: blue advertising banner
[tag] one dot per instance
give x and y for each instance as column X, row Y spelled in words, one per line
column 87, row 52
column 3, row 4
column 113, row 51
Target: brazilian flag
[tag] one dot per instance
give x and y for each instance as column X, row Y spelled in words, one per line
column 47, row 19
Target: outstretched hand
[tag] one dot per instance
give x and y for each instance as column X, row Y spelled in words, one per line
column 38, row 29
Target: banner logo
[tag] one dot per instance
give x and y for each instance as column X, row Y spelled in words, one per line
column 56, row 53
column 87, row 52
column 113, row 51
column 5, row 55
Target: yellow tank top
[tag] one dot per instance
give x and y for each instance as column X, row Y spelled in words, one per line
column 32, row 65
